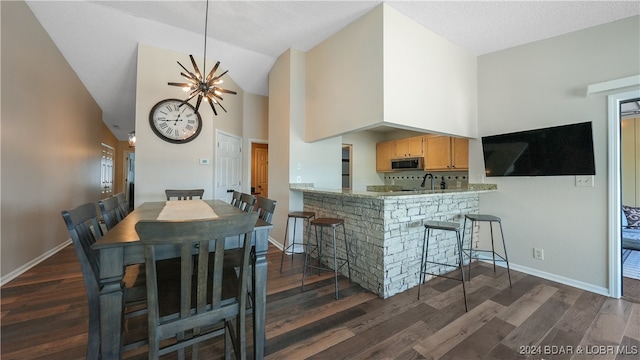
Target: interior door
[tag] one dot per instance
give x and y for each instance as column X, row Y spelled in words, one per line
column 261, row 169
column 228, row 166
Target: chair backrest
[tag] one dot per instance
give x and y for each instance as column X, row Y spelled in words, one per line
column 187, row 194
column 84, row 228
column 110, row 211
column 247, row 202
column 266, row 208
column 199, row 237
column 122, row 204
column 235, row 199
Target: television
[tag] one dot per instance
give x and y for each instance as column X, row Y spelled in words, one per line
column 552, row 151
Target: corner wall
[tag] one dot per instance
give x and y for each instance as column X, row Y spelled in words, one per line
column 544, row 84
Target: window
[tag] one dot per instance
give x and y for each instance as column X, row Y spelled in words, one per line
column 106, row 170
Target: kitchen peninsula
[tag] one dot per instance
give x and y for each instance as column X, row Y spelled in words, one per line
column 385, row 229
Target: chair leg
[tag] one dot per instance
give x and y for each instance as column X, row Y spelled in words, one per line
column 347, row 250
column 286, row 240
column 493, row 249
column 423, row 265
column 506, row 258
column 335, row 262
column 464, row 227
column 464, row 290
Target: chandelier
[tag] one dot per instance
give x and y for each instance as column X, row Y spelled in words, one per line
column 208, row 88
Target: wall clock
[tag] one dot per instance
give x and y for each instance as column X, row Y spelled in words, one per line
column 174, row 121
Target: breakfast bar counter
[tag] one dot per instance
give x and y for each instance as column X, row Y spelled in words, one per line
column 385, row 229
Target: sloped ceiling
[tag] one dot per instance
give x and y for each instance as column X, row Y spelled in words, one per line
column 99, row 38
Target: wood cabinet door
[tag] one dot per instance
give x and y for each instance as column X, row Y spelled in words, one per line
column 384, row 153
column 410, row 147
column 460, row 153
column 437, row 153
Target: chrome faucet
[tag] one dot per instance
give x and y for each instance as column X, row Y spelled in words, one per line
column 424, row 180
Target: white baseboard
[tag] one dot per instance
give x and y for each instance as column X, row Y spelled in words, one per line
column 22, row 269
column 553, row 277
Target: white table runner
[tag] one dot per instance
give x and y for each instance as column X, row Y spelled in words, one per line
column 186, row 210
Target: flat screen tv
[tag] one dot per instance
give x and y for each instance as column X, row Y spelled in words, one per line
column 552, row 151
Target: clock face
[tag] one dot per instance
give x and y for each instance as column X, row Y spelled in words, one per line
column 174, row 122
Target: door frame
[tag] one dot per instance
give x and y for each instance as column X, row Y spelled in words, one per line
column 250, row 158
column 615, row 190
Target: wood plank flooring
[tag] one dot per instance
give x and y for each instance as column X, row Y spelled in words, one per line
column 44, row 316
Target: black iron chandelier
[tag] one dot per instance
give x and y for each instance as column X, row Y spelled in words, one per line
column 204, row 88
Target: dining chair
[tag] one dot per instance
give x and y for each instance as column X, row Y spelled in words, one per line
column 110, row 211
column 201, row 284
column 187, row 194
column 235, row 198
column 247, row 202
column 123, row 205
column 84, row 229
column 266, row 208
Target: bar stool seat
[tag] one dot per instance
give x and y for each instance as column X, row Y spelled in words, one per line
column 332, row 223
column 491, row 219
column 429, row 226
column 305, row 216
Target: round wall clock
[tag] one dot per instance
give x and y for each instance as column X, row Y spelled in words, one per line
column 174, row 121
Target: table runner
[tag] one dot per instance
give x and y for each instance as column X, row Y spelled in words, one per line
column 186, row 210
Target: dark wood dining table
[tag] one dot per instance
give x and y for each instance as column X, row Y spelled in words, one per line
column 121, row 246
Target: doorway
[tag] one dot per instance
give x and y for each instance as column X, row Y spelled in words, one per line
column 347, row 167
column 260, row 169
column 630, row 197
column 129, row 172
column 614, row 183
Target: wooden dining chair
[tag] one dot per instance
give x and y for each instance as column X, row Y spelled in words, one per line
column 213, row 315
column 235, row 198
column 187, row 194
column 123, row 205
column 266, row 208
column 110, row 211
column 84, row 229
column 247, row 202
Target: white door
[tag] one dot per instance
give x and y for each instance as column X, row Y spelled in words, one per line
column 229, row 166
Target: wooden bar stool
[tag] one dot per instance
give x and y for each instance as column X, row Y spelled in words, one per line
column 332, row 223
column 445, row 226
column 305, row 216
column 490, row 219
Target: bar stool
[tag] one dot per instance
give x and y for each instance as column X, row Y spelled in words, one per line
column 305, row 216
column 446, row 226
column 490, row 219
column 332, row 223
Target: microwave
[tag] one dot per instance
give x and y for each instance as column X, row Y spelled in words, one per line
column 407, row 164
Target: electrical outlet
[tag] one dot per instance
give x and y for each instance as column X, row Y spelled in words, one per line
column 584, row 180
column 298, row 179
column 538, row 253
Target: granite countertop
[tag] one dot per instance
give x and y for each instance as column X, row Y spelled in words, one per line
column 386, row 191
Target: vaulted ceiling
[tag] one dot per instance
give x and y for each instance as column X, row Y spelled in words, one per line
column 99, row 38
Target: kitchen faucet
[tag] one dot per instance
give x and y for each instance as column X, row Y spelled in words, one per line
column 424, row 180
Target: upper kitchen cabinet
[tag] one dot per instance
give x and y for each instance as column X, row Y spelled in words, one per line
column 410, row 147
column 385, row 151
column 445, row 153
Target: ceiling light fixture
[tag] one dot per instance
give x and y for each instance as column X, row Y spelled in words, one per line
column 204, row 88
column 132, row 139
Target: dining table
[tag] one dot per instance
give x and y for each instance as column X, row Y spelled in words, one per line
column 121, row 247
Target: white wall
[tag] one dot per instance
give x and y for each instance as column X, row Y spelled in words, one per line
column 255, row 128
column 161, row 165
column 429, row 83
column 544, row 84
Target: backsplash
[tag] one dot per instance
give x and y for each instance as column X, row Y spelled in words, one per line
column 413, row 179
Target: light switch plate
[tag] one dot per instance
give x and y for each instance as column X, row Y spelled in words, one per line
column 584, row 180
column 204, row 161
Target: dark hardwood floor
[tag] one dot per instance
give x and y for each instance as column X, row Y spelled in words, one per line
column 44, row 316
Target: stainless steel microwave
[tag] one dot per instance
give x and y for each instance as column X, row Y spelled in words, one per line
column 407, row 164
